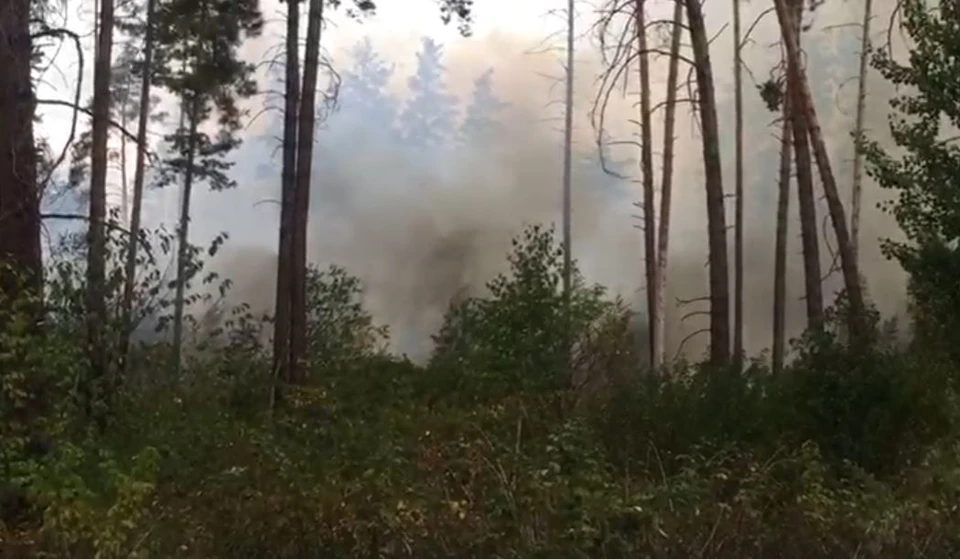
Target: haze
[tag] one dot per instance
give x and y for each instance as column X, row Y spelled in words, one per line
column 420, row 231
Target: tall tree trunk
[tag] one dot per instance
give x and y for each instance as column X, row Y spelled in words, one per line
column 666, row 183
column 857, row 320
column 858, row 132
column 96, row 238
column 780, row 255
column 813, row 292
column 738, row 190
column 716, row 220
column 124, row 186
column 19, row 192
column 646, row 172
column 281, row 331
column 183, row 238
column 301, row 199
column 130, row 268
column 568, row 181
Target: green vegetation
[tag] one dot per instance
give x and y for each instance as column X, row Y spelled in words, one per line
column 488, row 451
column 533, row 430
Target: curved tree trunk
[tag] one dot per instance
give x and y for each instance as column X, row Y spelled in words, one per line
column 666, row 184
column 281, row 327
column 130, row 269
column 716, row 220
column 857, row 320
column 301, row 199
column 646, row 173
column 780, row 255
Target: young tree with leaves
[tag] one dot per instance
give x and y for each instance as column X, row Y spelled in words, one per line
column 926, row 178
column 197, row 60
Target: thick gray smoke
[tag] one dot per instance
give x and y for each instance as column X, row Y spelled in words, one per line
column 419, row 230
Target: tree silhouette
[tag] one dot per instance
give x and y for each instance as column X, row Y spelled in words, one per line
column 366, row 105
column 428, row 121
column 481, row 123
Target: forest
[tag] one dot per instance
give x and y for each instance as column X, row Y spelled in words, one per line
column 473, row 331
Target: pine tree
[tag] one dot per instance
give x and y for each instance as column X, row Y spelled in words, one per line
column 428, row 121
column 366, row 105
column 197, row 60
column 480, row 123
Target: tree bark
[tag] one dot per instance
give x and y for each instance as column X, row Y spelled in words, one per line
column 281, row 331
column 301, row 199
column 183, row 239
column 666, row 184
column 716, row 220
column 813, row 292
column 857, row 320
column 738, row 193
column 567, row 186
column 96, row 238
column 646, row 173
column 130, row 268
column 780, row 256
column 858, row 132
column 19, row 192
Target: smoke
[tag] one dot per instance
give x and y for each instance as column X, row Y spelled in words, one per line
column 422, row 230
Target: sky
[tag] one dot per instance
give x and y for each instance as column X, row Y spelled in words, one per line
column 519, row 40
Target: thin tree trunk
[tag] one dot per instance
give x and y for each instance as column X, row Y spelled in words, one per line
column 124, row 190
column 301, row 200
column 666, row 185
column 183, row 240
column 568, row 182
column 858, row 132
column 859, row 331
column 716, row 220
column 130, row 269
column 19, row 192
column 96, row 238
column 646, row 172
column 281, row 332
column 780, row 256
column 738, row 190
column 813, row 292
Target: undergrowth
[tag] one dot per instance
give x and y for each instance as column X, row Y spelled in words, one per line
column 495, row 448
